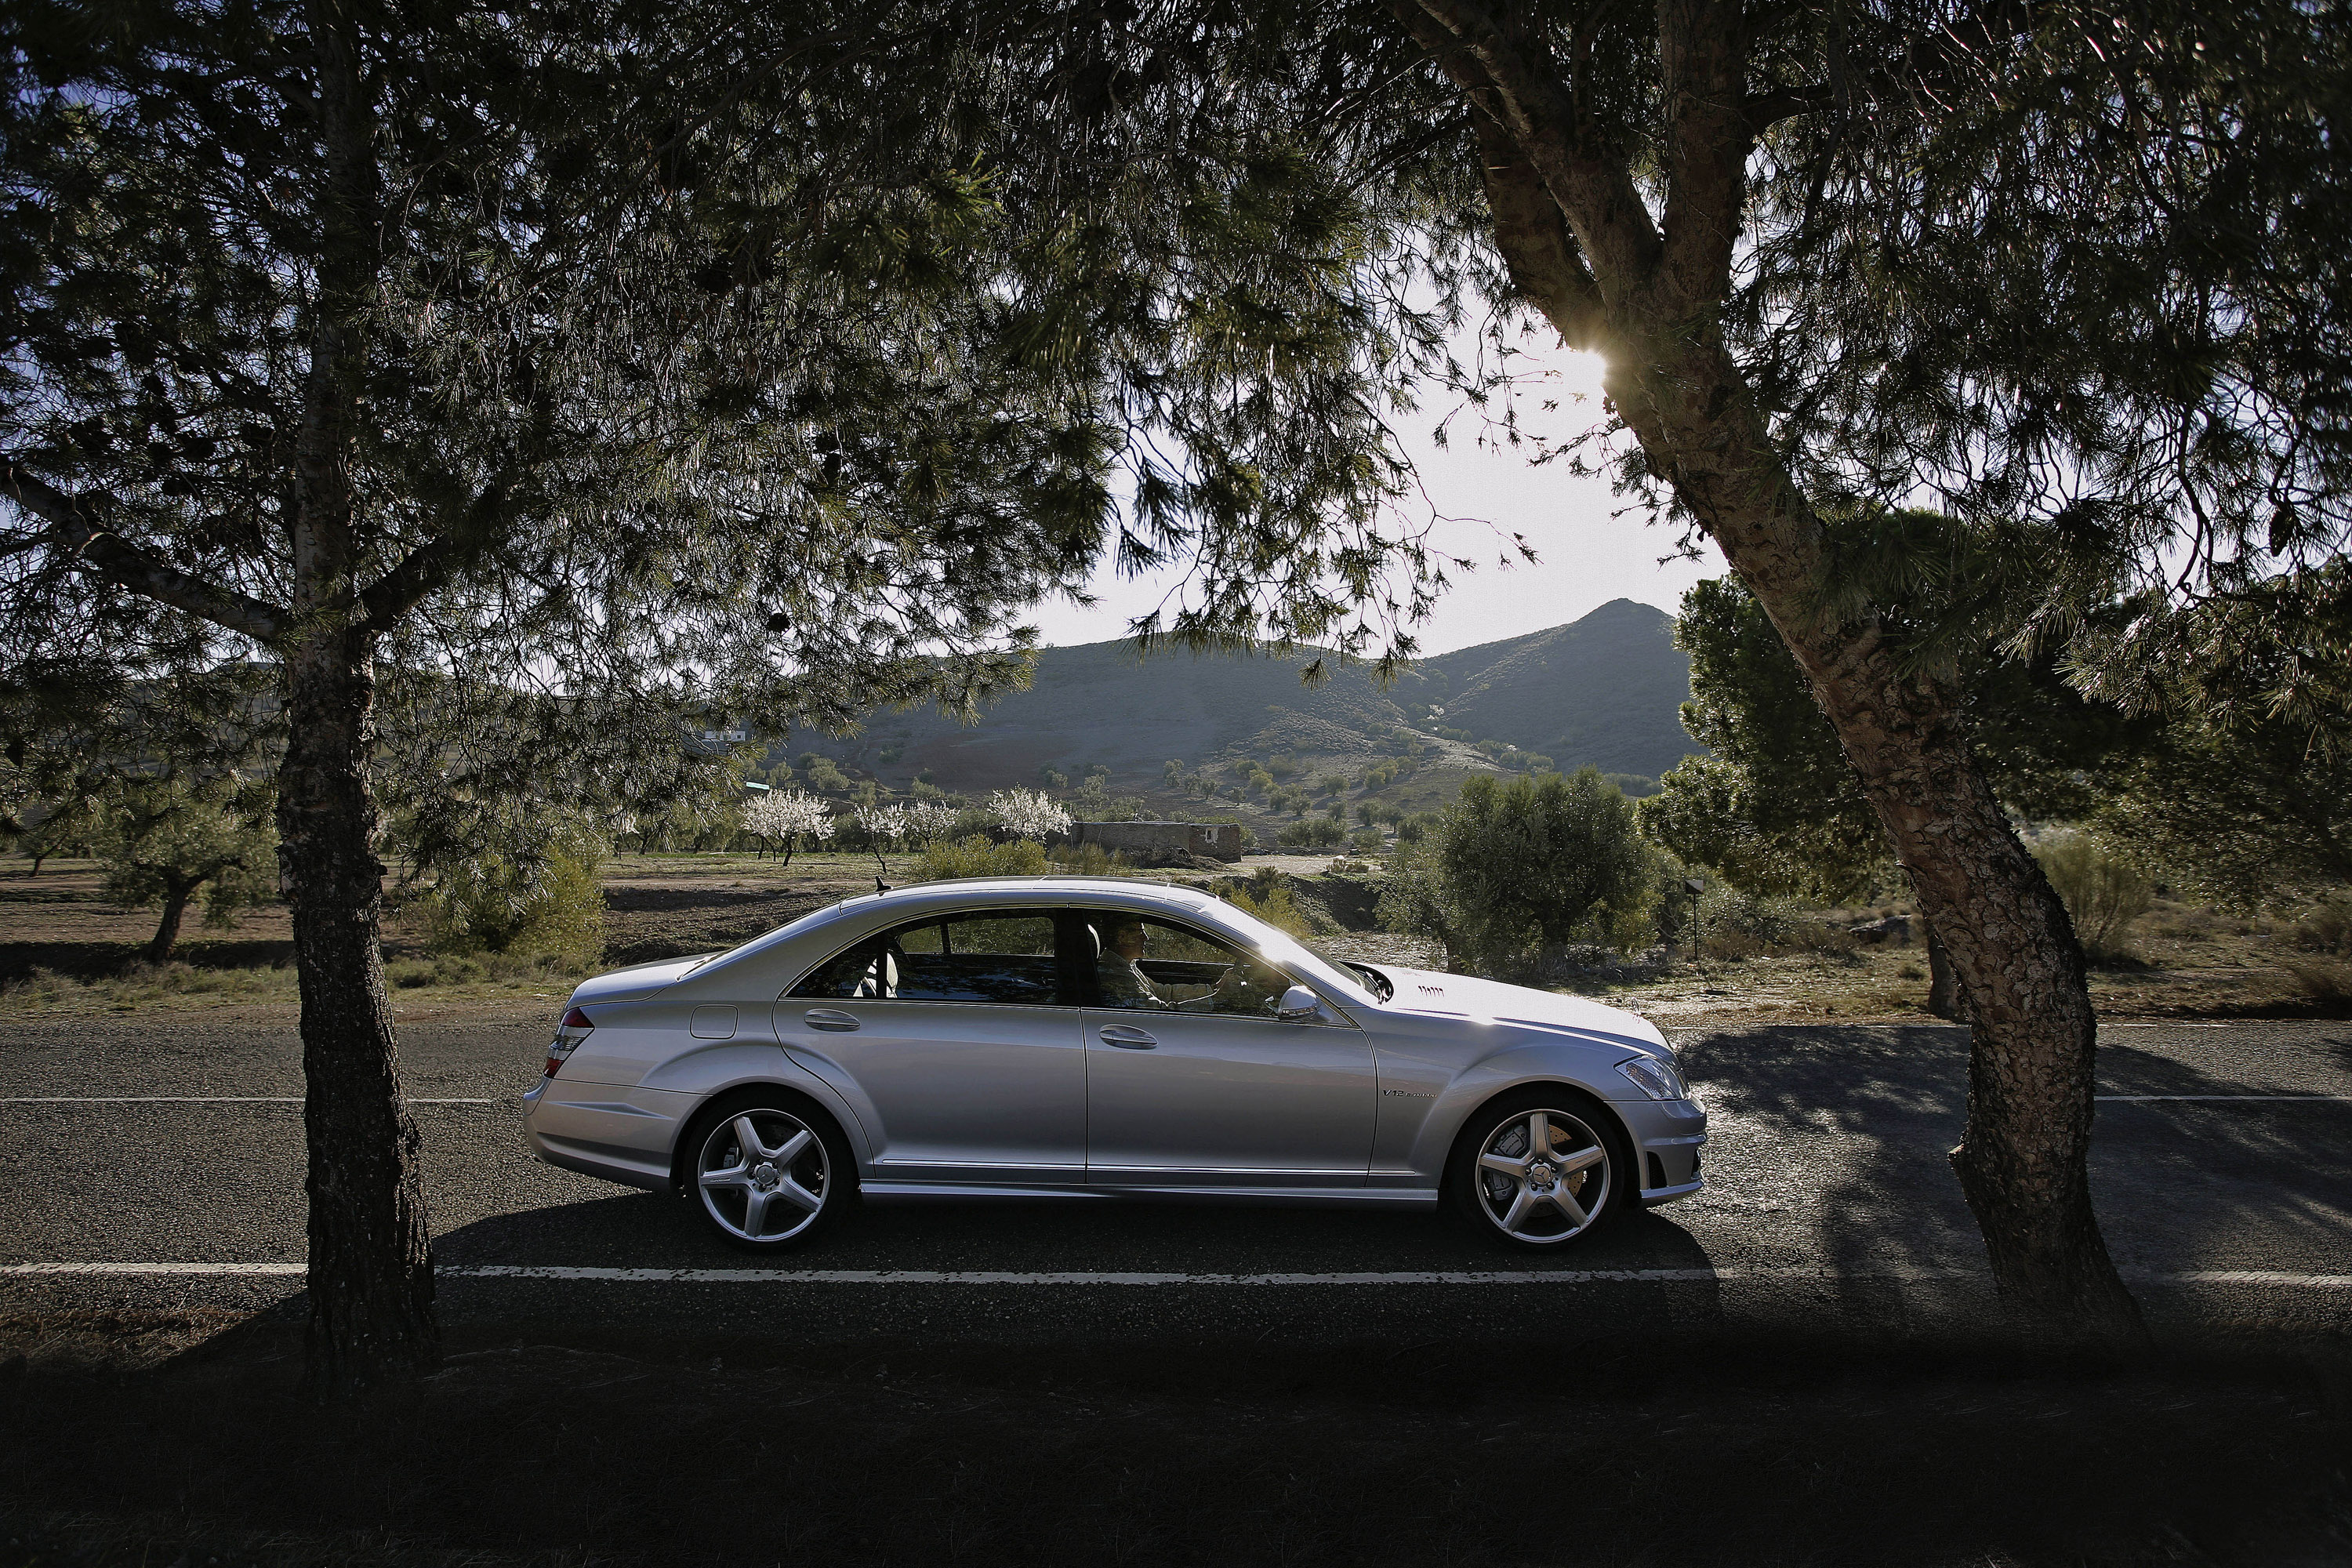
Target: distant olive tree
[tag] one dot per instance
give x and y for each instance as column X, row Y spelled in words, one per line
column 164, row 841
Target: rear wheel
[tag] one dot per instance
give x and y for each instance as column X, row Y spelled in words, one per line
column 1540, row 1168
column 767, row 1171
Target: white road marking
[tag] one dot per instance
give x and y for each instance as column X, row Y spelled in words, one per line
column 2277, row 1277
column 2151, row 1099
column 196, row 1099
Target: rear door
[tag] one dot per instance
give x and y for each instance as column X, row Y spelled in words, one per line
column 955, row 1040
column 1192, row 1082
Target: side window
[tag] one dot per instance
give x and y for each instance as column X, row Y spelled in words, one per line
column 1153, row 966
column 995, row 955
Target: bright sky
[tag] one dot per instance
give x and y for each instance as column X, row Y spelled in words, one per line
column 1586, row 557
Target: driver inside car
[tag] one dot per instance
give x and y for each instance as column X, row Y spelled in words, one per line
column 1123, row 983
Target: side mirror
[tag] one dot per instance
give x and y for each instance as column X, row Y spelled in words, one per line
column 1300, row 1005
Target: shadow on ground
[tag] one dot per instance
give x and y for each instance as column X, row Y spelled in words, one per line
column 1855, row 1122
column 579, row 1444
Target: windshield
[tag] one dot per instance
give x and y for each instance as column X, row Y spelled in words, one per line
column 1280, row 947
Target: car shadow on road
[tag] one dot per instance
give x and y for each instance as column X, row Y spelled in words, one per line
column 641, row 1230
column 1035, row 1271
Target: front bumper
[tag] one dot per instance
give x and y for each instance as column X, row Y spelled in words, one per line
column 1668, row 1136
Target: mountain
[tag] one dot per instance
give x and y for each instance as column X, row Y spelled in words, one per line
column 1603, row 689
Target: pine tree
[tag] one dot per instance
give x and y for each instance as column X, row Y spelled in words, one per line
column 635, row 360
column 2069, row 272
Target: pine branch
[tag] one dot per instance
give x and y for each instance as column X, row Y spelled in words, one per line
column 77, row 538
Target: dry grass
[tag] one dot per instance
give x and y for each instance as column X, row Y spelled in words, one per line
column 141, row 985
column 2324, row 981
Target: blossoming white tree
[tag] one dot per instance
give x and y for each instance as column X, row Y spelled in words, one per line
column 781, row 819
column 886, row 829
column 1028, row 814
column 928, row 820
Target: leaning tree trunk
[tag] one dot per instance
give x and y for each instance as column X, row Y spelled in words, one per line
column 1580, row 244
column 2023, row 1161
column 167, row 930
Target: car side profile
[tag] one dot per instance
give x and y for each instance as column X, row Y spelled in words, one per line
column 1079, row 1038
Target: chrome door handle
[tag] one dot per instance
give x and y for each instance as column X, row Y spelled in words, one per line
column 826, row 1018
column 1126, row 1038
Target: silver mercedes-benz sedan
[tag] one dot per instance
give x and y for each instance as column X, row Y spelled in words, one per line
column 1080, row 1037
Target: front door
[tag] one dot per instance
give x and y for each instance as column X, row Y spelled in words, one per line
column 952, row 1039
column 1191, row 1080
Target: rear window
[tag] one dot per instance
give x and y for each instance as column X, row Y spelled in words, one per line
column 1005, row 957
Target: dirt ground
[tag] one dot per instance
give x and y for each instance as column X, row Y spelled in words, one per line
column 186, row 1439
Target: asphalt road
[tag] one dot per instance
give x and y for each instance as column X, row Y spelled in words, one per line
column 157, row 1140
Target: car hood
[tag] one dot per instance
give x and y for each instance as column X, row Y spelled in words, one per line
column 637, row 982
column 1465, row 996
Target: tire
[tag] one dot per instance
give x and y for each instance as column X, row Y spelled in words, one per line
column 1535, row 1206
column 798, row 1179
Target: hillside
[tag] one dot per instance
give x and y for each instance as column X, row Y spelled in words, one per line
column 1602, row 691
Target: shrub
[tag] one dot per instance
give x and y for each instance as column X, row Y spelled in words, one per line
column 2328, row 927
column 1364, row 841
column 976, row 855
column 1417, row 827
column 550, row 905
column 1725, row 912
column 1268, row 898
column 2322, row 981
column 1089, row 860
column 2103, row 894
column 1521, row 870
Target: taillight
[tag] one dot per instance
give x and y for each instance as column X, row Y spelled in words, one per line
column 574, row 1028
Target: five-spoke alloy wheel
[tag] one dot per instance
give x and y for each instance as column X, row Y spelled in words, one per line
column 1537, row 1170
column 766, row 1176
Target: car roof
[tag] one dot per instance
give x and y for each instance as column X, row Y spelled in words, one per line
column 1029, row 890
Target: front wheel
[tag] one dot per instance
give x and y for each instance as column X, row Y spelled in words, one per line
column 767, row 1174
column 1540, row 1168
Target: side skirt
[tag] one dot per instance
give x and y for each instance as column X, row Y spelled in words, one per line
column 1296, row 1197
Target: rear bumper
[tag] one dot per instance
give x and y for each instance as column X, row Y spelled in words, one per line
column 617, row 1134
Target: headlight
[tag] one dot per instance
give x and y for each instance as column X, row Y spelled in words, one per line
column 1659, row 1081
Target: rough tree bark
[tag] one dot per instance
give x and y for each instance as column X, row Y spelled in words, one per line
column 371, row 1274
column 1583, row 249
column 1944, row 998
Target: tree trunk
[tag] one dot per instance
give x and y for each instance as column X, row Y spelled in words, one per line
column 370, row 1272
column 1945, row 999
column 2024, row 1162
column 1581, row 244
column 167, row 930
